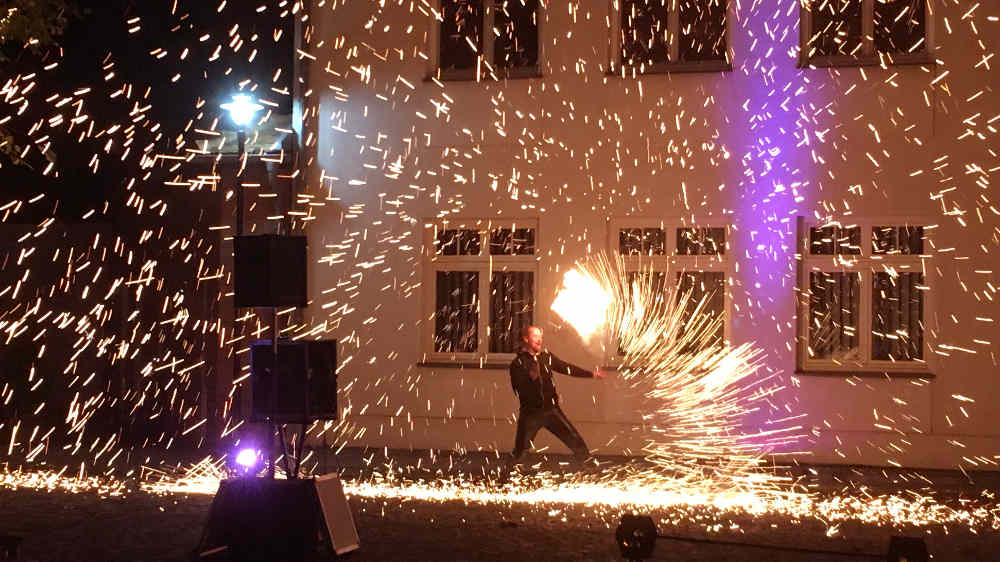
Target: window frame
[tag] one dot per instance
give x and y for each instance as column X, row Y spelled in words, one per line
column 862, row 263
column 868, row 57
column 616, row 68
column 484, row 264
column 484, row 68
column 672, row 263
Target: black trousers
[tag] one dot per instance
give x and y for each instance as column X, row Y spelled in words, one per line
column 552, row 419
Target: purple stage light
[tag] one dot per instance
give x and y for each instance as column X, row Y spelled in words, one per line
column 247, row 458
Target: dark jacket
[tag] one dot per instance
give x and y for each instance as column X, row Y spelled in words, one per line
column 531, row 378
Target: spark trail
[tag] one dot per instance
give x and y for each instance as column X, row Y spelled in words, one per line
column 701, row 394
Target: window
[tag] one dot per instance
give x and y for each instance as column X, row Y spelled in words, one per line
column 679, row 262
column 651, row 36
column 863, row 297
column 488, row 38
column 482, row 277
column 858, row 32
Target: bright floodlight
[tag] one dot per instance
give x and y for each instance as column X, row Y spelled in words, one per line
column 242, row 109
column 247, row 458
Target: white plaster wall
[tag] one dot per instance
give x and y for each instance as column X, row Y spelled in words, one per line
column 579, row 148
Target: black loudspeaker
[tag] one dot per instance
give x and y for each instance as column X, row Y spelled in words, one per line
column 300, row 387
column 263, row 519
column 270, row 270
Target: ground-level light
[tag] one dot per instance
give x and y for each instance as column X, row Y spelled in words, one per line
column 248, row 460
column 636, row 536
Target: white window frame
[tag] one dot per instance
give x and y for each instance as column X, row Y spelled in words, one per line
column 615, row 66
column 484, row 264
column 671, row 263
column 862, row 263
column 868, row 56
column 484, row 68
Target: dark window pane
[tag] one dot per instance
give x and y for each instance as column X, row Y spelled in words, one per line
column 897, row 316
column 702, row 30
column 516, row 44
column 834, row 240
column 512, row 304
column 468, row 243
column 642, row 241
column 900, row 26
column 644, row 29
column 834, row 301
column 447, row 242
column 453, row 242
column 630, row 241
column 461, row 33
column 517, row 242
column 456, row 318
column 652, row 286
column 524, row 241
column 836, row 28
column 898, row 240
column 701, row 241
column 654, row 241
column 707, row 290
column 501, row 242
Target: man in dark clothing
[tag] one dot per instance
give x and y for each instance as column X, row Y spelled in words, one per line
column 531, row 378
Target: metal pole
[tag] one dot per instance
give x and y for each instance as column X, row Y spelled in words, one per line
column 274, row 386
column 274, row 379
column 238, row 232
column 241, row 138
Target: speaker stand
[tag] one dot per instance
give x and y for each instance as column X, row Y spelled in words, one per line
column 291, row 452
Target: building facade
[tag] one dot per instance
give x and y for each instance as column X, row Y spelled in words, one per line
column 821, row 171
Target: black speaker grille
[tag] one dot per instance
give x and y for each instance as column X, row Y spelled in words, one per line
column 270, row 270
column 303, row 386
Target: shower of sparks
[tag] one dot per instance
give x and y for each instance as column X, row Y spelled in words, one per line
column 110, row 323
column 604, row 499
column 699, row 391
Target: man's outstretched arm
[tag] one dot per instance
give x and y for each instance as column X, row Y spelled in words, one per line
column 560, row 366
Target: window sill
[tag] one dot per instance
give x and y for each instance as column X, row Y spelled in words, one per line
column 867, row 374
column 903, row 59
column 670, row 68
column 469, row 75
column 464, row 365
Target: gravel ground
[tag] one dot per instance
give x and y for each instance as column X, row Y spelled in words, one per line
column 67, row 526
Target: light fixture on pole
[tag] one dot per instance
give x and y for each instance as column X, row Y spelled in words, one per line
column 241, row 110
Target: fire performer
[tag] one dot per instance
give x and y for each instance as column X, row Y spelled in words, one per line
column 531, row 377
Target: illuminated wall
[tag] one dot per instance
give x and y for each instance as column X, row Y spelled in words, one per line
column 756, row 147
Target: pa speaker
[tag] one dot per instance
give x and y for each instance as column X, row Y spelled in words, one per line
column 270, row 270
column 299, row 387
column 263, row 519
